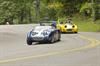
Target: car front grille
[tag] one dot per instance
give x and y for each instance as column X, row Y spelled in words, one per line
column 69, row 29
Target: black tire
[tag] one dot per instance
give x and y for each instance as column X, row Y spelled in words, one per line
column 29, row 42
column 51, row 39
column 59, row 37
column 76, row 32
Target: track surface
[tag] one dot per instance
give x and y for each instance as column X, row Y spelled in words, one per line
column 82, row 49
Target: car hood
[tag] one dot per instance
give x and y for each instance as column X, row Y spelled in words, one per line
column 42, row 28
column 69, row 26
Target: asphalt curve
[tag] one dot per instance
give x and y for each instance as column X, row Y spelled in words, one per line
column 82, row 49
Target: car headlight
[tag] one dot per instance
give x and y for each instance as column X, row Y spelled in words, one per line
column 73, row 26
column 65, row 26
column 34, row 33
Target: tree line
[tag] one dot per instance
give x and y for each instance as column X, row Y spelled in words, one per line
column 27, row 11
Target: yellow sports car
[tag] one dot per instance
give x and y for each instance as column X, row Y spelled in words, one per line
column 67, row 27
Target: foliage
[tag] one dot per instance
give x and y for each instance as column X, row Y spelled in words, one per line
column 24, row 11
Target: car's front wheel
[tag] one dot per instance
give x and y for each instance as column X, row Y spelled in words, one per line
column 29, row 42
column 76, row 32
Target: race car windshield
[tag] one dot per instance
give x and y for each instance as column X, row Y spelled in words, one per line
column 44, row 24
column 39, row 28
column 69, row 23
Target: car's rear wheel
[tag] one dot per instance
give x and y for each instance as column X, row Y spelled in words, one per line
column 59, row 37
column 29, row 42
column 51, row 39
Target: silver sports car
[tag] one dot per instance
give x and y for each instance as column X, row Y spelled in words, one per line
column 43, row 34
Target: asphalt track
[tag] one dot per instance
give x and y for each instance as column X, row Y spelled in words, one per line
column 82, row 49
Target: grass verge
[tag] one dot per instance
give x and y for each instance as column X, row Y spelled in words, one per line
column 86, row 24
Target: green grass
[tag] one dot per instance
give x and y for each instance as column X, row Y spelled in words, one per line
column 86, row 24
column 88, row 27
